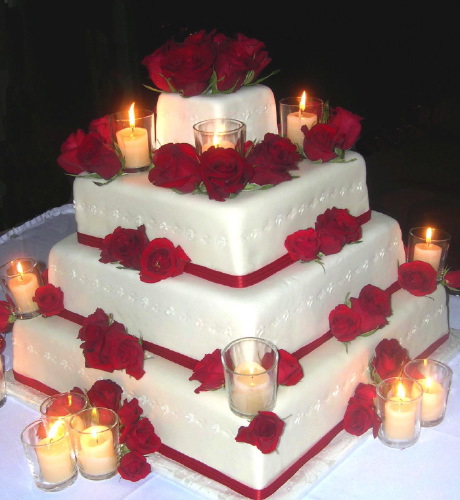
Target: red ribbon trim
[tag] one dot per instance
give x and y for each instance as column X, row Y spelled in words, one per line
column 222, row 478
column 219, row 277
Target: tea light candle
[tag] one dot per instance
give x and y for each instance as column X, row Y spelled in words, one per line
column 432, row 400
column 97, row 455
column 428, row 252
column 295, row 121
column 400, row 417
column 54, row 456
column 134, row 143
column 218, row 141
column 22, row 288
column 252, row 390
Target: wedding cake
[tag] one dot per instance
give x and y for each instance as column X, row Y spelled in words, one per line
column 203, row 266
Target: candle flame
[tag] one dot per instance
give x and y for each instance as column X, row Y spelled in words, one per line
column 303, row 101
column 69, row 399
column 56, row 430
column 19, row 268
column 95, row 415
column 400, row 391
column 132, row 118
column 428, row 384
column 429, row 234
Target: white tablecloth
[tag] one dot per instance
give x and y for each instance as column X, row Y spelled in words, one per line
column 351, row 469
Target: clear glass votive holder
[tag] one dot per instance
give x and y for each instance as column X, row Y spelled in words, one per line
column 63, row 405
column 135, row 136
column 2, row 381
column 48, row 450
column 429, row 245
column 220, row 133
column 95, row 438
column 251, row 371
column 435, row 378
column 293, row 118
column 20, row 279
column 399, row 406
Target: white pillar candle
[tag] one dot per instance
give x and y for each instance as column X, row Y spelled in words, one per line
column 97, row 455
column 296, row 120
column 22, row 288
column 428, row 252
column 432, row 400
column 134, row 143
column 252, row 390
column 400, row 417
column 55, row 457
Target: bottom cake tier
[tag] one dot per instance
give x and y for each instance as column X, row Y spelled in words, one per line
column 199, row 430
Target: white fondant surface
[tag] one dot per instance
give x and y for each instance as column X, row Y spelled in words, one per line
column 194, row 316
column 237, row 236
column 46, row 349
column 254, row 105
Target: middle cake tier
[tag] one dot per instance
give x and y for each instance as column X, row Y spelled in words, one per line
column 192, row 316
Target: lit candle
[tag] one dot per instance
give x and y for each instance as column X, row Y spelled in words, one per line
column 134, row 143
column 218, row 141
column 54, row 455
column 432, row 400
column 22, row 288
column 428, row 252
column 252, row 390
column 400, row 416
column 295, row 121
column 97, row 455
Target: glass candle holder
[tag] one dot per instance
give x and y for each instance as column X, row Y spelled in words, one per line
column 20, row 279
column 134, row 133
column 435, row 378
column 399, row 405
column 48, row 450
column 2, row 381
column 251, row 371
column 220, row 133
column 294, row 115
column 429, row 245
column 63, row 405
column 95, row 438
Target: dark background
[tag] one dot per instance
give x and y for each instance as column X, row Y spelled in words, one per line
column 64, row 63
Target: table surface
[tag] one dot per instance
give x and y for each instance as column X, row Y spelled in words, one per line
column 359, row 468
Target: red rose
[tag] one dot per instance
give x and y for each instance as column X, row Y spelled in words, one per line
column 50, row 300
column 161, row 260
column 339, row 222
column 176, row 166
column 331, row 242
column 348, row 126
column 102, row 127
column 389, row 359
column 141, row 437
column 93, row 330
column 134, row 466
column 67, row 160
column 264, row 432
column 290, row 371
column 96, row 156
column 344, row 323
column 319, row 142
column 209, row 372
column 130, row 412
column 239, row 61
column 182, row 67
column 366, row 392
column 124, row 246
column 417, row 277
column 374, row 306
column 452, row 279
column 360, row 416
column 272, row 159
column 303, row 245
column 6, row 316
column 105, row 394
column 224, row 172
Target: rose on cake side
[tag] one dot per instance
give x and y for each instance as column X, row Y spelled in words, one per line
column 207, row 63
column 7, row 316
column 223, row 173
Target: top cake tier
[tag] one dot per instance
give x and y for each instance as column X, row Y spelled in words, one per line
column 255, row 106
column 238, row 236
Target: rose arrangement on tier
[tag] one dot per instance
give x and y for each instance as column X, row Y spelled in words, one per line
column 335, row 133
column 93, row 153
column 222, row 173
column 207, row 62
column 137, row 434
column 333, row 229
column 263, row 432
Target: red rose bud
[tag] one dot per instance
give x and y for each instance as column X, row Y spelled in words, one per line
column 124, row 246
column 264, row 432
column 105, row 394
column 389, row 359
column 134, row 466
column 348, row 126
column 417, row 277
column 344, row 323
column 290, row 371
column 360, row 416
column 50, row 300
column 130, row 412
column 303, row 245
column 319, row 142
column 141, row 437
column 339, row 222
column 209, row 372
